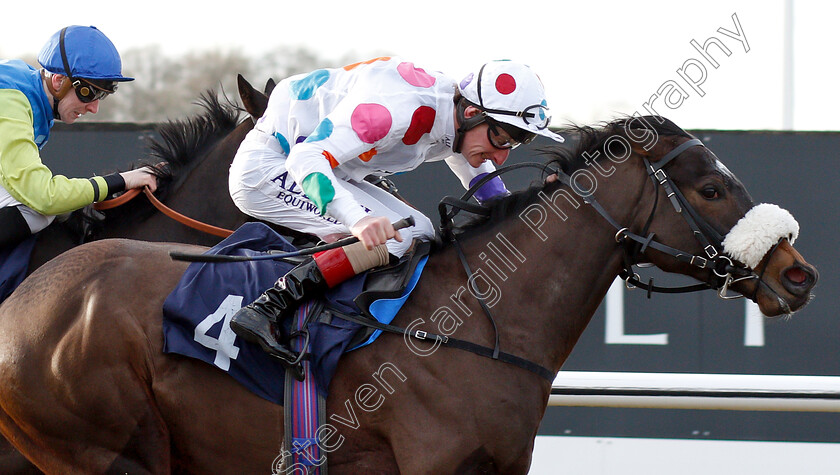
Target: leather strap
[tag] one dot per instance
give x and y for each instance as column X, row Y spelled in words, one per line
column 130, row 194
column 450, row 342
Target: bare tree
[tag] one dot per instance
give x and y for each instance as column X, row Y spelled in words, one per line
column 167, row 87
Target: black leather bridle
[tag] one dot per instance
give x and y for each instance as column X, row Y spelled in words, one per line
column 634, row 246
column 724, row 271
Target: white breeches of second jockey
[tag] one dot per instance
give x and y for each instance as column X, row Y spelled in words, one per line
column 270, row 194
column 34, row 219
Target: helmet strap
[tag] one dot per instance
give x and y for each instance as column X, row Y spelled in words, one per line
column 56, row 94
column 465, row 124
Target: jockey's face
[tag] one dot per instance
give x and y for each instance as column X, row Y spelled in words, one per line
column 476, row 145
column 71, row 108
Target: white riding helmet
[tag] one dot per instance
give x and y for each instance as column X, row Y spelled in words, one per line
column 511, row 93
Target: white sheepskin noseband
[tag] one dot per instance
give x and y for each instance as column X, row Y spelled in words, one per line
column 761, row 228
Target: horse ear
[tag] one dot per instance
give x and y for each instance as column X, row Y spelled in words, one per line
column 655, row 150
column 269, row 86
column 254, row 101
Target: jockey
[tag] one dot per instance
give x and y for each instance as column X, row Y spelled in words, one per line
column 77, row 58
column 304, row 163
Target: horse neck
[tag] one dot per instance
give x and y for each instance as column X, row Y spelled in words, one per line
column 550, row 277
column 201, row 194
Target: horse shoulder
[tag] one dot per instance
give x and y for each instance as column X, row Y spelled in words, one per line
column 78, row 341
column 101, row 294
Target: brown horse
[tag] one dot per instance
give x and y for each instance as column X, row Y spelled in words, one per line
column 86, row 388
column 197, row 152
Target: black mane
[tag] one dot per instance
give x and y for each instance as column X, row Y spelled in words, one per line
column 181, row 143
column 592, row 141
column 581, row 142
column 183, row 140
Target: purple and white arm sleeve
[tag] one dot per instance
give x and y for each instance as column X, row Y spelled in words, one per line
column 492, row 189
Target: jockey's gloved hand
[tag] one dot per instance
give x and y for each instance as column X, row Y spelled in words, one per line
column 139, row 178
column 495, row 188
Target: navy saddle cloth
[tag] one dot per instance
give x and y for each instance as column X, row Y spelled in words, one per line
column 196, row 315
column 14, row 263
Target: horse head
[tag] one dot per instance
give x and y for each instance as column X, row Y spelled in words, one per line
column 705, row 214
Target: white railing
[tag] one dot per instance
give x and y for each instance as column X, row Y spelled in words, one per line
column 738, row 392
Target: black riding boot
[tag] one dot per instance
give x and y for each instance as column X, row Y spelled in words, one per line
column 261, row 322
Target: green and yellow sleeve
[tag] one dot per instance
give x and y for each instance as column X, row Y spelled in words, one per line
column 23, row 174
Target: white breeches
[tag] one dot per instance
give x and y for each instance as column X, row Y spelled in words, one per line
column 34, row 219
column 261, row 187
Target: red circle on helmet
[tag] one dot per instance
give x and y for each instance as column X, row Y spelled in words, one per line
column 505, row 83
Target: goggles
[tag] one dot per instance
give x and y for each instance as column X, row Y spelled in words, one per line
column 87, row 91
column 535, row 115
column 505, row 136
column 532, row 115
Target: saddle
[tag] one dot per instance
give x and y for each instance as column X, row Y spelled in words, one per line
column 382, row 291
column 198, row 309
column 304, row 409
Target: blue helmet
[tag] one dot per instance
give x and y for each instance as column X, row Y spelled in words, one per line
column 82, row 52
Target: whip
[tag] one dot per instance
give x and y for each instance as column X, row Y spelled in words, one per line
column 271, row 255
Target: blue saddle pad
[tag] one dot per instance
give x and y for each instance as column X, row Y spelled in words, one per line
column 196, row 315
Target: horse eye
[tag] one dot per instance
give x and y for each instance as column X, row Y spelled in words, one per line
column 710, row 193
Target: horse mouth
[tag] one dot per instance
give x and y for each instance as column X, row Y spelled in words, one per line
column 790, row 292
column 799, row 279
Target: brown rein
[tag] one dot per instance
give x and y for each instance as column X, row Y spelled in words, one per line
column 130, row 194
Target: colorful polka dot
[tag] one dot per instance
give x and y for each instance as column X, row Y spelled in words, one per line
column 319, row 189
column 330, row 158
column 365, row 157
column 466, row 81
column 304, row 88
column 324, row 130
column 371, row 122
column 283, row 142
column 300, row 139
column 355, row 65
column 421, row 123
column 505, row 83
column 415, row 76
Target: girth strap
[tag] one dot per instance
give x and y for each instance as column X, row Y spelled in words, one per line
column 453, row 343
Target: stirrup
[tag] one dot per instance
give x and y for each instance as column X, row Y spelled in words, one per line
column 290, row 359
column 296, row 371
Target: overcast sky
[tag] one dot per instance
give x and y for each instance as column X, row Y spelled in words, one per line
column 597, row 59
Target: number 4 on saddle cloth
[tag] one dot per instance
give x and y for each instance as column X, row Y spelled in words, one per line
column 196, row 315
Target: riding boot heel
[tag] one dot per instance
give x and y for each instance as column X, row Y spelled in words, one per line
column 262, row 320
column 254, row 327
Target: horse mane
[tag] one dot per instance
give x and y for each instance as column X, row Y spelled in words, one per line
column 582, row 141
column 171, row 157
column 593, row 141
column 182, row 140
